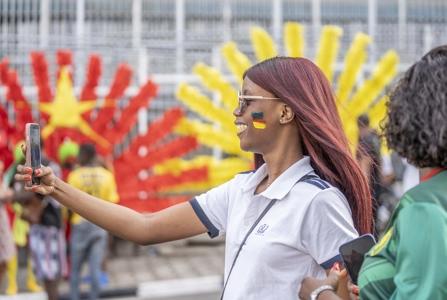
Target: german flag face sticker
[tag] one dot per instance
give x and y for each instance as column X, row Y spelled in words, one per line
column 258, row 120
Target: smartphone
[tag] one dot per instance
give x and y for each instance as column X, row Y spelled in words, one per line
column 32, row 137
column 353, row 254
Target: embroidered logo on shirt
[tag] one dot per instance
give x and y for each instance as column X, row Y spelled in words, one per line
column 262, row 229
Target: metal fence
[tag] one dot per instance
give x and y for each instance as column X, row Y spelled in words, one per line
column 165, row 38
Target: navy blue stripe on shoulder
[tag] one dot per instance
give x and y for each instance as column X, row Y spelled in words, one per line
column 247, row 172
column 315, row 180
column 212, row 230
column 320, row 183
column 306, row 177
column 326, row 185
column 316, row 183
column 329, row 263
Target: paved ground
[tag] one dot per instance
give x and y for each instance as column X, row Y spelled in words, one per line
column 184, row 270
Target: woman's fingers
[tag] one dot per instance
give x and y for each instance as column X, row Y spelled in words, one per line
column 353, row 296
column 22, row 176
column 22, row 169
column 42, row 171
column 353, row 288
column 353, row 291
column 46, row 186
column 23, row 149
column 38, row 189
column 332, row 279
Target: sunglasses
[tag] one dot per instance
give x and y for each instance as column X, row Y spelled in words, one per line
column 243, row 100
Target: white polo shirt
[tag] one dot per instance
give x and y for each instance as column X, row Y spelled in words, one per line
column 298, row 237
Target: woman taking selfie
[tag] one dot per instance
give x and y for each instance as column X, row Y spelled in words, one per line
column 284, row 220
column 409, row 260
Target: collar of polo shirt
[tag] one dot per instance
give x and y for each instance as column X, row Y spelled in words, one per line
column 283, row 184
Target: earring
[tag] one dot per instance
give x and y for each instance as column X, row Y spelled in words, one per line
column 280, row 120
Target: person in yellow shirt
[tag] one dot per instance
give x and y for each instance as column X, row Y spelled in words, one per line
column 88, row 241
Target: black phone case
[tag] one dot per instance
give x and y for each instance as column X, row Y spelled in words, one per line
column 363, row 244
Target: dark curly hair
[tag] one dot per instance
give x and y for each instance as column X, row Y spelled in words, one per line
column 416, row 127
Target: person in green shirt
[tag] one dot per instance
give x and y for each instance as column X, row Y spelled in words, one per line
column 409, row 261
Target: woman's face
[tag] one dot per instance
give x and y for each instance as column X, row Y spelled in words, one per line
column 257, row 118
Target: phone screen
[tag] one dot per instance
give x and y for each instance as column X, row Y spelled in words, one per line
column 35, row 151
column 353, row 254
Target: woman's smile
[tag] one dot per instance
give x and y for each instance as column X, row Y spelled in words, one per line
column 241, row 128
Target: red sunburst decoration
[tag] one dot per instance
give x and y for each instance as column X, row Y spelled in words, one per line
column 63, row 116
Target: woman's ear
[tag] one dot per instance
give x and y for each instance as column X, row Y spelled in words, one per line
column 287, row 114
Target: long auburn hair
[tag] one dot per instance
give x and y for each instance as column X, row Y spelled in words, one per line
column 301, row 85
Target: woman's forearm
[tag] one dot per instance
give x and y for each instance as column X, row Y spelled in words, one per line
column 179, row 221
column 111, row 217
column 329, row 295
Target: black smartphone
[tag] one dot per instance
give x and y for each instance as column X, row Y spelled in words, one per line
column 33, row 159
column 353, row 254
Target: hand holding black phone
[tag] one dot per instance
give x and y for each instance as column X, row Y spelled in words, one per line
column 353, row 254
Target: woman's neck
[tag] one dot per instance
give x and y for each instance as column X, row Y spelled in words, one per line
column 278, row 165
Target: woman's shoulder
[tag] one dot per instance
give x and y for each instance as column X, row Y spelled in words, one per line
column 316, row 181
column 242, row 177
column 329, row 198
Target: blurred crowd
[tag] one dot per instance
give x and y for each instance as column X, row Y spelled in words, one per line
column 390, row 175
column 57, row 240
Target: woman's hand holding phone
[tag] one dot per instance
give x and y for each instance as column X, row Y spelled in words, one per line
column 353, row 290
column 45, row 174
column 310, row 284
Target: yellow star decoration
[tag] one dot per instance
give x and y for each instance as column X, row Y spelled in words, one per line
column 66, row 112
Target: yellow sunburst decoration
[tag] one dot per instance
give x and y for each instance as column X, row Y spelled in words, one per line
column 237, row 61
column 328, row 49
column 293, row 39
column 263, row 44
column 219, row 130
column 354, row 60
column 213, row 80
